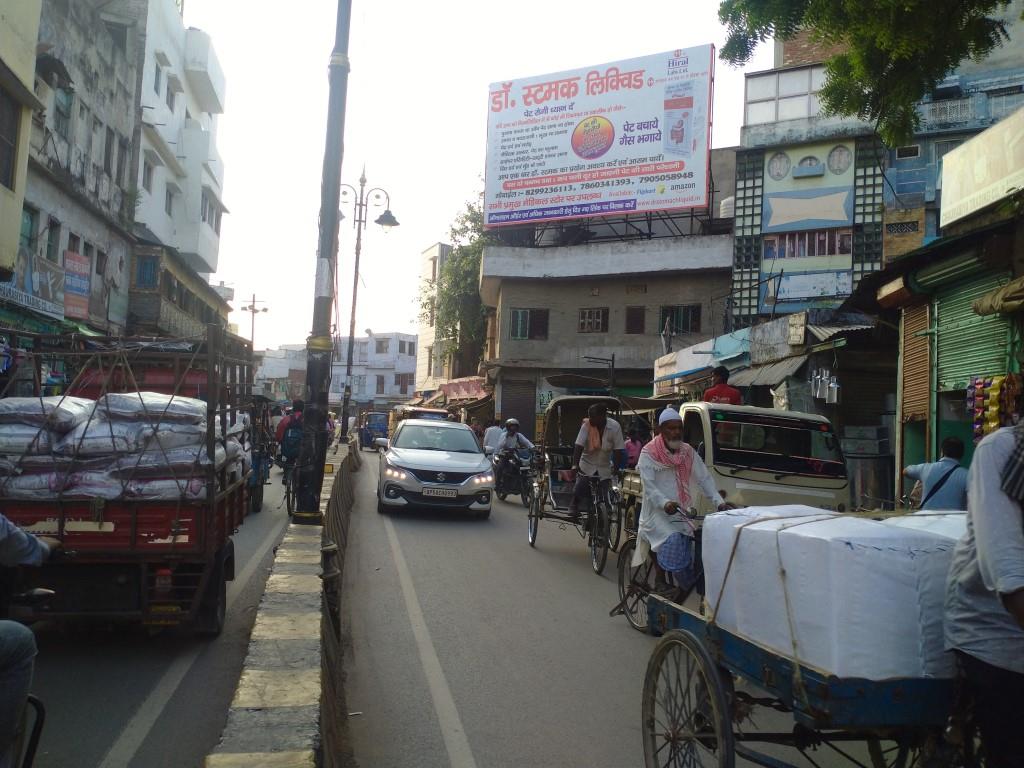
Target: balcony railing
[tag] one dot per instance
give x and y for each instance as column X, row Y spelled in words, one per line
column 947, row 112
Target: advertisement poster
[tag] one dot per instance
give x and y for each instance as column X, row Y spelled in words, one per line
column 38, row 284
column 626, row 137
column 77, row 273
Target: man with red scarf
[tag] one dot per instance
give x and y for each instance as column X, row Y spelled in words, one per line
column 667, row 466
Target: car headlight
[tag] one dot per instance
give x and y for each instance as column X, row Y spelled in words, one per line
column 395, row 473
column 486, row 477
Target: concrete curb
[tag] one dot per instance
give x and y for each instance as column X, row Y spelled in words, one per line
column 274, row 719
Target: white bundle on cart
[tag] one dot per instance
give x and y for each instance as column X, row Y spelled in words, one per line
column 852, row 597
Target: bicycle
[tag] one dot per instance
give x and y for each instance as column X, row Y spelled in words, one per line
column 287, row 479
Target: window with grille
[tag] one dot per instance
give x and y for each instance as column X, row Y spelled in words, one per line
column 593, row 320
column 818, row 242
column 381, row 346
column 635, row 319
column 683, row 318
column 53, row 241
column 147, row 176
column 380, row 384
column 10, row 118
column 528, row 324
column 62, row 112
column 146, row 271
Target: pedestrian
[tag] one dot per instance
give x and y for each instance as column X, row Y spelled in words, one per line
column 943, row 482
column 276, row 417
column 984, row 622
column 720, row 391
column 598, row 444
column 478, row 429
column 492, row 436
column 633, row 447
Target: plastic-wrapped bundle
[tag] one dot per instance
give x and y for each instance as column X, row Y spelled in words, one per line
column 102, row 485
column 189, row 490
column 41, row 464
column 43, row 485
column 100, row 437
column 151, row 407
column 169, row 436
column 176, row 462
column 8, row 467
column 58, row 413
column 17, row 439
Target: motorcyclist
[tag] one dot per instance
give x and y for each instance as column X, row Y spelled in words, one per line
column 17, row 643
column 511, row 440
column 667, row 467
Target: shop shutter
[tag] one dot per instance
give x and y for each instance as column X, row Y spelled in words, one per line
column 519, row 401
column 969, row 344
column 915, row 381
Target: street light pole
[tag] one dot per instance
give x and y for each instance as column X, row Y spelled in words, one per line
column 319, row 346
column 386, row 219
column 252, row 309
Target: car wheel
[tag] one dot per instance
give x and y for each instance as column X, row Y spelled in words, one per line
column 381, row 509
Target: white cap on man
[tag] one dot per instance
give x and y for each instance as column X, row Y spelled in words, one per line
column 669, row 414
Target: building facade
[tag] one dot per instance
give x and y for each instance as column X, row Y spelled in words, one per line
column 431, row 360
column 383, row 371
column 19, row 31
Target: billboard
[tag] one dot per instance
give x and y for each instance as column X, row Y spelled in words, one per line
column 983, row 170
column 631, row 136
column 38, row 284
column 77, row 275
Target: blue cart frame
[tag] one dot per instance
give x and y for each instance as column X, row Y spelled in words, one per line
column 688, row 719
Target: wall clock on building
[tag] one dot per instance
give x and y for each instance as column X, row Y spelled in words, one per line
column 778, row 166
column 839, row 159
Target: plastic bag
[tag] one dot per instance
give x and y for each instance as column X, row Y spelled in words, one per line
column 168, row 436
column 176, row 462
column 59, row 413
column 100, row 437
column 44, row 485
column 17, row 439
column 151, row 407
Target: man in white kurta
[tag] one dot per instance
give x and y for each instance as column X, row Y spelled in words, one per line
column 668, row 468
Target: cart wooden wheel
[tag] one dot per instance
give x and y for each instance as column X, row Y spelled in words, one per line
column 685, row 713
column 535, row 514
column 598, row 536
column 635, row 584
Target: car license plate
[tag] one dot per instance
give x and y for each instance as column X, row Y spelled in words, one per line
column 446, row 493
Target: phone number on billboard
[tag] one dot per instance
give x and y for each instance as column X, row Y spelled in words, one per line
column 608, row 183
column 666, row 177
column 549, row 190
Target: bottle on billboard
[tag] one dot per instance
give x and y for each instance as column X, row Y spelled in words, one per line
column 678, row 136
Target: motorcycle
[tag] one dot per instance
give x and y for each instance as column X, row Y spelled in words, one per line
column 513, row 474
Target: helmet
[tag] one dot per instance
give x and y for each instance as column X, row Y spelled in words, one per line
column 512, row 423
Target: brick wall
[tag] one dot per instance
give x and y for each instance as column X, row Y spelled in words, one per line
column 802, row 48
column 904, row 232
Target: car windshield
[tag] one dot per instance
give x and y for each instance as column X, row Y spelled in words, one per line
column 424, row 438
column 781, row 445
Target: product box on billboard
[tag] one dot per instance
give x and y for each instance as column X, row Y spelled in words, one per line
column 874, row 432
column 860, row 598
column 865, row 447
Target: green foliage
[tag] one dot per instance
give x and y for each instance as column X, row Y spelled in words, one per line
column 897, row 51
column 453, row 299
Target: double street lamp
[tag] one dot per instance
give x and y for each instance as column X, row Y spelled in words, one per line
column 253, row 309
column 360, row 200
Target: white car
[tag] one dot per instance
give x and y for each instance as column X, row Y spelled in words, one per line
column 432, row 463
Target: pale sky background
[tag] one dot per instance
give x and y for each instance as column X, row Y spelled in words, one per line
column 416, row 117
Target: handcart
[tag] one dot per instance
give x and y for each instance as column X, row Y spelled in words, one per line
column 693, row 712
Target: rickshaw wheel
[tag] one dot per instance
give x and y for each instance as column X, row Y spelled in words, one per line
column 598, row 537
column 685, row 713
column 614, row 526
column 534, row 516
column 635, row 584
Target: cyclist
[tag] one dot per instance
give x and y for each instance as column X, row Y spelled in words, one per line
column 667, row 466
column 599, row 442
column 289, row 437
column 17, row 643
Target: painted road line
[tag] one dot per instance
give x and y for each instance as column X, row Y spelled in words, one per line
column 455, row 741
column 137, row 729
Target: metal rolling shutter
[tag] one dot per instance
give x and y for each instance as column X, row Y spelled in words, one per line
column 915, row 364
column 519, row 401
column 969, row 344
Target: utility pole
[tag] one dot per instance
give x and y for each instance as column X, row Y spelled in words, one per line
column 319, row 345
column 252, row 309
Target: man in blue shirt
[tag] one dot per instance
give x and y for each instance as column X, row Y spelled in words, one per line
column 943, row 482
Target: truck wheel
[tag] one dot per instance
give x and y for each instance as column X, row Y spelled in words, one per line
column 214, row 604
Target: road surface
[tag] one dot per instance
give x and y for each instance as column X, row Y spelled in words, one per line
column 120, row 697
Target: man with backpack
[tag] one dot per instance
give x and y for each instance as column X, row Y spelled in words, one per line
column 289, row 433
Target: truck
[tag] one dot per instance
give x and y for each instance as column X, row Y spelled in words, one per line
column 132, row 550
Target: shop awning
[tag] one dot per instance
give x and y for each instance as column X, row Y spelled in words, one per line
column 769, row 375
column 1002, row 301
column 682, row 374
column 826, row 332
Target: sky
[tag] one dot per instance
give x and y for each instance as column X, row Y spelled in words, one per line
column 416, row 119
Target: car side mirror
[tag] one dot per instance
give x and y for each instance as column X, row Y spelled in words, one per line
column 489, row 450
column 381, row 442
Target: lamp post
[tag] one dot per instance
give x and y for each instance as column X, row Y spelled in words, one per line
column 360, row 202
column 252, row 308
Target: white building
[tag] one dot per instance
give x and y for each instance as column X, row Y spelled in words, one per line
column 179, row 174
column 383, row 371
column 430, row 360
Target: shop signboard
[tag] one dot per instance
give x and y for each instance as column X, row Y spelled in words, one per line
column 37, row 284
column 77, row 275
column 984, row 170
column 630, row 136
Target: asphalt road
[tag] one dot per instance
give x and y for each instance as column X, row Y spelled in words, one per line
column 469, row 649
column 120, row 697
